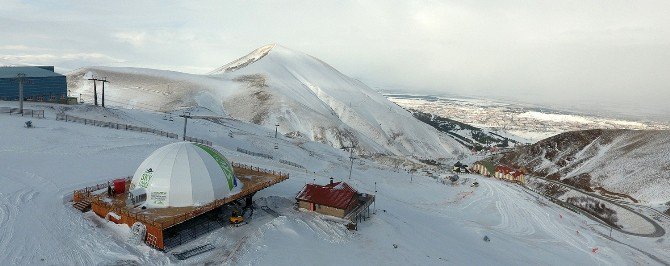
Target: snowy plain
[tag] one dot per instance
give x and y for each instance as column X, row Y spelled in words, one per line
column 430, row 223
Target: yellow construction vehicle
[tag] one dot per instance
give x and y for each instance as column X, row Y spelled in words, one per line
column 236, row 218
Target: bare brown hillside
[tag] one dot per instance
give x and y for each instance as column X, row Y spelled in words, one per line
column 614, row 162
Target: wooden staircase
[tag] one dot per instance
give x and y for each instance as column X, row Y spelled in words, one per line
column 83, row 205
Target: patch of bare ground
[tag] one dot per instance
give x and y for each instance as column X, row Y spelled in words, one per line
column 582, row 181
column 263, row 98
column 253, row 80
column 612, row 194
column 595, row 208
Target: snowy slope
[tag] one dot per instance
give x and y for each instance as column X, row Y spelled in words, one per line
column 314, row 98
column 308, row 98
column 431, row 223
column 633, row 162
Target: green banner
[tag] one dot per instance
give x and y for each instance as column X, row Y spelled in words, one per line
column 223, row 163
column 146, row 176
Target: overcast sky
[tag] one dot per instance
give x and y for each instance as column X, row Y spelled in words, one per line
column 567, row 53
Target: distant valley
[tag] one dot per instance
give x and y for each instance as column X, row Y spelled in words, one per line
column 526, row 123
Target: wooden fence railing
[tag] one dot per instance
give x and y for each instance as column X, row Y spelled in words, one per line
column 197, row 140
column 31, row 112
column 220, row 202
column 83, row 193
column 93, row 122
column 86, row 192
column 257, row 154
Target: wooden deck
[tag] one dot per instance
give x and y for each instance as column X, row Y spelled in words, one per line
column 253, row 179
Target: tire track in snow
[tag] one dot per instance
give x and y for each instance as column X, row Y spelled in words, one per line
column 48, row 223
column 10, row 209
column 6, row 226
column 516, row 213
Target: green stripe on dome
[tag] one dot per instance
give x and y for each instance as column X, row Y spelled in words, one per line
column 223, row 163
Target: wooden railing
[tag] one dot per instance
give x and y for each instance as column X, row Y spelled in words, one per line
column 93, row 122
column 97, row 199
column 81, row 194
column 197, row 140
column 31, row 112
column 257, row 154
column 165, row 223
column 220, row 202
column 369, row 199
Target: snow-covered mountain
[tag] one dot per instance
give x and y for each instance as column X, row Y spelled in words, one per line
column 308, row 98
column 631, row 162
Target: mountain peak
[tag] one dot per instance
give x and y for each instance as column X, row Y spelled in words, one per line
column 241, row 62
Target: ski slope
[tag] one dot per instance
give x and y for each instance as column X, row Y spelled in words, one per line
column 431, row 223
column 308, row 98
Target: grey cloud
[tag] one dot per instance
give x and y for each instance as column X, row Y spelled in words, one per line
column 564, row 53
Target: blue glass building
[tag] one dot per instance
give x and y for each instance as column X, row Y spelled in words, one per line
column 42, row 84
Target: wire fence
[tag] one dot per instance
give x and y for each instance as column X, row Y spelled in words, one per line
column 257, row 154
column 31, row 112
column 197, row 140
column 93, row 122
column 291, row 164
column 268, row 156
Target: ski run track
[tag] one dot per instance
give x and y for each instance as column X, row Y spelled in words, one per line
column 430, row 223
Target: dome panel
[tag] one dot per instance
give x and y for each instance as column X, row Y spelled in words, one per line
column 185, row 174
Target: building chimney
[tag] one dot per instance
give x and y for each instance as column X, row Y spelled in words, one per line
column 331, row 180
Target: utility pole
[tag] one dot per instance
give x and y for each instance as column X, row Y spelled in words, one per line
column 351, row 158
column 103, row 80
column 95, row 91
column 186, row 116
column 374, row 207
column 21, row 79
column 351, row 167
column 276, row 129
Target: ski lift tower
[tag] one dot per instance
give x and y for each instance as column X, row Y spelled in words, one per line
column 351, row 157
column 187, row 115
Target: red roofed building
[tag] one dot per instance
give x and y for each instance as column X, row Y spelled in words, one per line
column 518, row 176
column 502, row 171
column 335, row 199
column 506, row 172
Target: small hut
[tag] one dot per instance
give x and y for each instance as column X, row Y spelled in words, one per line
column 337, row 199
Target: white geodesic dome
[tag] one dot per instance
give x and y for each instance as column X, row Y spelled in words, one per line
column 185, row 174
